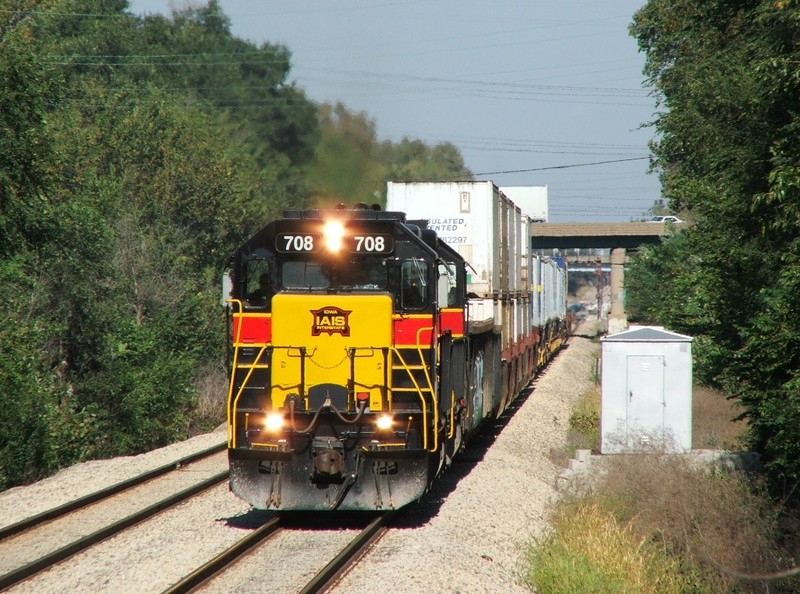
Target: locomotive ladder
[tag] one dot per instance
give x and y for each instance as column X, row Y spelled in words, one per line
column 422, row 385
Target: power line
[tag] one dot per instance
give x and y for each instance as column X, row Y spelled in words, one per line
column 560, row 166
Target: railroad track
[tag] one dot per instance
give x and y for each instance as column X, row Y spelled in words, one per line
column 42, row 526
column 326, row 577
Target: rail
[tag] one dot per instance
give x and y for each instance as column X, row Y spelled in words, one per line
column 46, row 561
column 71, row 506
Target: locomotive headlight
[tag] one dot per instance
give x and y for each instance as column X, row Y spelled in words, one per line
column 384, row 422
column 334, row 234
column 274, row 422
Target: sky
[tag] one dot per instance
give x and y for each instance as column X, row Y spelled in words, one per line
column 532, row 92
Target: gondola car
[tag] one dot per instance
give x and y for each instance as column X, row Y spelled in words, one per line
column 361, row 359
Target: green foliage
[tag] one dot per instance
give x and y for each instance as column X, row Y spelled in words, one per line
column 414, row 160
column 584, row 421
column 29, row 89
column 726, row 77
column 135, row 155
column 352, row 166
column 25, row 440
column 345, row 169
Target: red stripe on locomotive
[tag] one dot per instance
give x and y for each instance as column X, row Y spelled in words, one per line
column 252, row 329
column 413, row 330
column 452, row 320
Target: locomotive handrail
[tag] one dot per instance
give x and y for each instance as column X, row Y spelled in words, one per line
column 434, row 400
column 419, row 392
column 452, row 431
column 235, row 401
column 231, row 403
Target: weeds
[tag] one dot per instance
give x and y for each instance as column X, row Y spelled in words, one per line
column 655, row 523
column 659, row 523
column 713, row 426
column 589, row 550
column 708, row 520
column 584, row 427
column 585, row 419
column 211, row 387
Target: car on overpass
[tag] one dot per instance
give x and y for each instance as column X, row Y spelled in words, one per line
column 665, row 219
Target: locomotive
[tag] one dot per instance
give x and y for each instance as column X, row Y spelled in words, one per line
column 362, row 358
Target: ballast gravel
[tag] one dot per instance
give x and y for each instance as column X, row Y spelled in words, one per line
column 471, row 538
column 466, row 536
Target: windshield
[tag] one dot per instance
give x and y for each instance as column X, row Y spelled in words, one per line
column 362, row 275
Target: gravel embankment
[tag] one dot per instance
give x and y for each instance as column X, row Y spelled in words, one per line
column 466, row 537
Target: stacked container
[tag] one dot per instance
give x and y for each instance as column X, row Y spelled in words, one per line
column 485, row 227
column 523, row 297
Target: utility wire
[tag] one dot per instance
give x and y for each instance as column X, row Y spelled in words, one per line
column 560, row 166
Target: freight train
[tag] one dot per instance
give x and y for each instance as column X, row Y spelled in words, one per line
column 368, row 345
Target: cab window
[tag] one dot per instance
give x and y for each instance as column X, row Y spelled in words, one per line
column 362, row 275
column 448, row 269
column 258, row 289
column 413, row 284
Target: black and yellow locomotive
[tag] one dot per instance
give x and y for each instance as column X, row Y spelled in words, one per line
column 354, row 375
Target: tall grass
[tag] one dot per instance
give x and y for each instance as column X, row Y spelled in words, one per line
column 656, row 523
column 584, row 423
column 714, row 424
column 589, row 550
column 659, row 523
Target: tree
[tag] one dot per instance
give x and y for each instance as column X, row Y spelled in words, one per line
column 726, row 77
column 414, row 160
column 30, row 90
column 135, row 155
column 352, row 166
column 345, row 168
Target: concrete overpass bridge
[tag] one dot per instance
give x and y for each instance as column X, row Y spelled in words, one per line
column 616, row 237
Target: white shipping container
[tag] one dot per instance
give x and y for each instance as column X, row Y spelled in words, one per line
column 516, row 229
column 525, row 252
column 475, row 218
column 532, row 200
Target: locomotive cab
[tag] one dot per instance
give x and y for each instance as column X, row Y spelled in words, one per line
column 346, row 329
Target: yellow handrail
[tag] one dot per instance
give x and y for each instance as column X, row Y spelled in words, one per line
column 419, row 393
column 241, row 389
column 229, row 403
column 434, row 402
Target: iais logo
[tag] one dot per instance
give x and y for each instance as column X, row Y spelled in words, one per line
column 331, row 320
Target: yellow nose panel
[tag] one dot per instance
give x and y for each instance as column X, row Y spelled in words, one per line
column 341, row 335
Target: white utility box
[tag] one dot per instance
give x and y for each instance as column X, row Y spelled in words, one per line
column 646, row 391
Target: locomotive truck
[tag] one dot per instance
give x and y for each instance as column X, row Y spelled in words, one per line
column 368, row 345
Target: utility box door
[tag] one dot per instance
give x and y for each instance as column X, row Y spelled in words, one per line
column 646, row 397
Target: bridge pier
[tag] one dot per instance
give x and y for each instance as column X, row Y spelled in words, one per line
column 617, row 320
